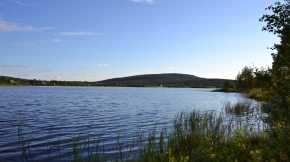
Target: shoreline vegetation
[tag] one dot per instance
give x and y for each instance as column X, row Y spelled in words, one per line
column 227, row 90
column 16, row 85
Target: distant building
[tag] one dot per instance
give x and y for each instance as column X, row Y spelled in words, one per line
column 43, row 84
column 13, row 82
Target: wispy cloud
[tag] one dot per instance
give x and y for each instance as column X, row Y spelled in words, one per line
column 22, row 68
column 57, row 40
column 102, row 65
column 6, row 26
column 143, row 1
column 22, row 3
column 79, row 33
column 27, row 71
column 13, row 27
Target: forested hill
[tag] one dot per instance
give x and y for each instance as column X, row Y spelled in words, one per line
column 166, row 80
column 149, row 80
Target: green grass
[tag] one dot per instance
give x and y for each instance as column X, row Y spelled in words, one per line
column 258, row 94
column 239, row 109
column 229, row 90
column 207, row 137
column 195, row 136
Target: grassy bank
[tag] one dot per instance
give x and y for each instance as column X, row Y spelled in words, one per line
column 225, row 90
column 259, row 94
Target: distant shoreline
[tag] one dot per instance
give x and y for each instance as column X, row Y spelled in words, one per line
column 168, row 80
column 13, row 85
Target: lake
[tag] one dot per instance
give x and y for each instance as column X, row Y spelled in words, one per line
column 49, row 118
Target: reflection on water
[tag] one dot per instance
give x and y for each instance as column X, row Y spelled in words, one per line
column 50, row 118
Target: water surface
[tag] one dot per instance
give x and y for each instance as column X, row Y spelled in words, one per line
column 59, row 116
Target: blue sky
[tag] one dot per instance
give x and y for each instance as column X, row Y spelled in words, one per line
column 98, row 39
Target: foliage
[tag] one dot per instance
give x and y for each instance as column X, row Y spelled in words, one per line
column 279, row 23
column 207, row 137
column 245, row 79
column 262, row 77
column 239, row 109
column 228, row 90
column 250, row 78
column 258, row 94
column 227, row 84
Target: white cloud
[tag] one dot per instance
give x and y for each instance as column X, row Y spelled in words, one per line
column 12, row 27
column 22, row 3
column 57, row 40
column 79, row 33
column 143, row 1
column 102, row 65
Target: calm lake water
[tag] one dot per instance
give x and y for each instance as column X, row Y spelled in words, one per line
column 50, row 118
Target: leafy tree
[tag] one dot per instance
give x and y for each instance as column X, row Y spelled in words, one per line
column 279, row 23
column 227, row 84
column 262, row 78
column 245, row 79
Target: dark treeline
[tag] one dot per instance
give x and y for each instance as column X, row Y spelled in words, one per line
column 250, row 78
column 35, row 82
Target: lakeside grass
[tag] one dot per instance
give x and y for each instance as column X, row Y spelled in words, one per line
column 196, row 136
column 206, row 136
column 258, row 94
column 239, row 109
column 228, row 90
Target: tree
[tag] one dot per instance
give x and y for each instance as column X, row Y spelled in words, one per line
column 227, row 85
column 279, row 23
column 245, row 79
column 262, row 78
column 278, row 107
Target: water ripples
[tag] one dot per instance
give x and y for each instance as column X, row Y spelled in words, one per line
column 52, row 119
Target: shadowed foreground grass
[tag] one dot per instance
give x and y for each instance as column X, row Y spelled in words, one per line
column 207, row 137
column 196, row 136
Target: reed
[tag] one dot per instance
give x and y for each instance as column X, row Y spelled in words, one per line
column 195, row 136
column 239, row 109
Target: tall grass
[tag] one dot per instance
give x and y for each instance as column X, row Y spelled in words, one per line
column 205, row 136
column 239, row 109
column 195, row 136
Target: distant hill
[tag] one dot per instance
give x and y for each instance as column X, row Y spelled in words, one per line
column 149, row 80
column 166, row 80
